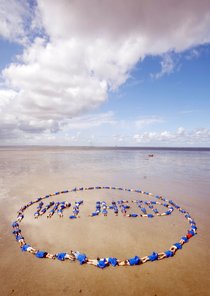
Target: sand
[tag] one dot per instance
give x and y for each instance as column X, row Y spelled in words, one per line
column 29, row 173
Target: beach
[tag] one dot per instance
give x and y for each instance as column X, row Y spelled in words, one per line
column 179, row 174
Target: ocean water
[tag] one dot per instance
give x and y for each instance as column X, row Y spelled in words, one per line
column 179, row 174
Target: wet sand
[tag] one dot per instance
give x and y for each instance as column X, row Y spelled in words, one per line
column 26, row 174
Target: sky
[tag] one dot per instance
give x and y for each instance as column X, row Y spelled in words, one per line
column 105, row 73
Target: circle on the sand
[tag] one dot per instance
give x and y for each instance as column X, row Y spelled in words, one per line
column 101, row 207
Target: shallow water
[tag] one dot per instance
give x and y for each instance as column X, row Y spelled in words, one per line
column 180, row 175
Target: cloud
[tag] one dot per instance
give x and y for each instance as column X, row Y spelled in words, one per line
column 193, row 54
column 147, row 121
column 90, row 121
column 180, row 136
column 76, row 52
column 167, row 66
column 24, row 127
column 17, row 20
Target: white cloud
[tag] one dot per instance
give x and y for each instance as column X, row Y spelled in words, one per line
column 167, row 66
column 90, row 121
column 17, row 20
column 89, row 48
column 147, row 121
column 181, row 136
column 193, row 54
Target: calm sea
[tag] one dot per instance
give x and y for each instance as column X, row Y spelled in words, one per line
column 170, row 170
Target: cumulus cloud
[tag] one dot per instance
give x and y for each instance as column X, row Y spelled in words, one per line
column 75, row 52
column 180, row 136
column 17, row 20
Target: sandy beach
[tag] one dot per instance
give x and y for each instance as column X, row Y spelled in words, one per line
column 183, row 176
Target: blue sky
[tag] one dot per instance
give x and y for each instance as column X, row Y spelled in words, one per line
column 76, row 82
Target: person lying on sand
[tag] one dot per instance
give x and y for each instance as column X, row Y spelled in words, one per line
column 101, row 263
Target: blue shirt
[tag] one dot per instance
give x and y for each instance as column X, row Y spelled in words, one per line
column 81, row 258
column 102, row 263
column 113, row 261
column 153, row 257
column 134, row 261
column 41, row 254
column 61, row 256
column 25, row 247
column 169, row 253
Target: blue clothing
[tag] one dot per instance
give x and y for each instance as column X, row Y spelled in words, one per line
column 61, row 256
column 102, row 263
column 168, row 213
column 178, row 245
column 25, row 247
column 143, row 210
column 72, row 217
column 81, row 258
column 94, row 214
column 16, row 231
column 134, row 261
column 113, row 261
column 15, row 224
column 41, row 254
column 153, row 257
column 169, row 253
column 191, row 232
column 185, row 239
column 19, row 237
column 150, row 216
column 133, row 215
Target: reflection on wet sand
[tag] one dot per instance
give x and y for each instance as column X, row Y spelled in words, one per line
column 182, row 177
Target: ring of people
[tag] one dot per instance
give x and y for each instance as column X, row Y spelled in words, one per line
column 102, row 208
